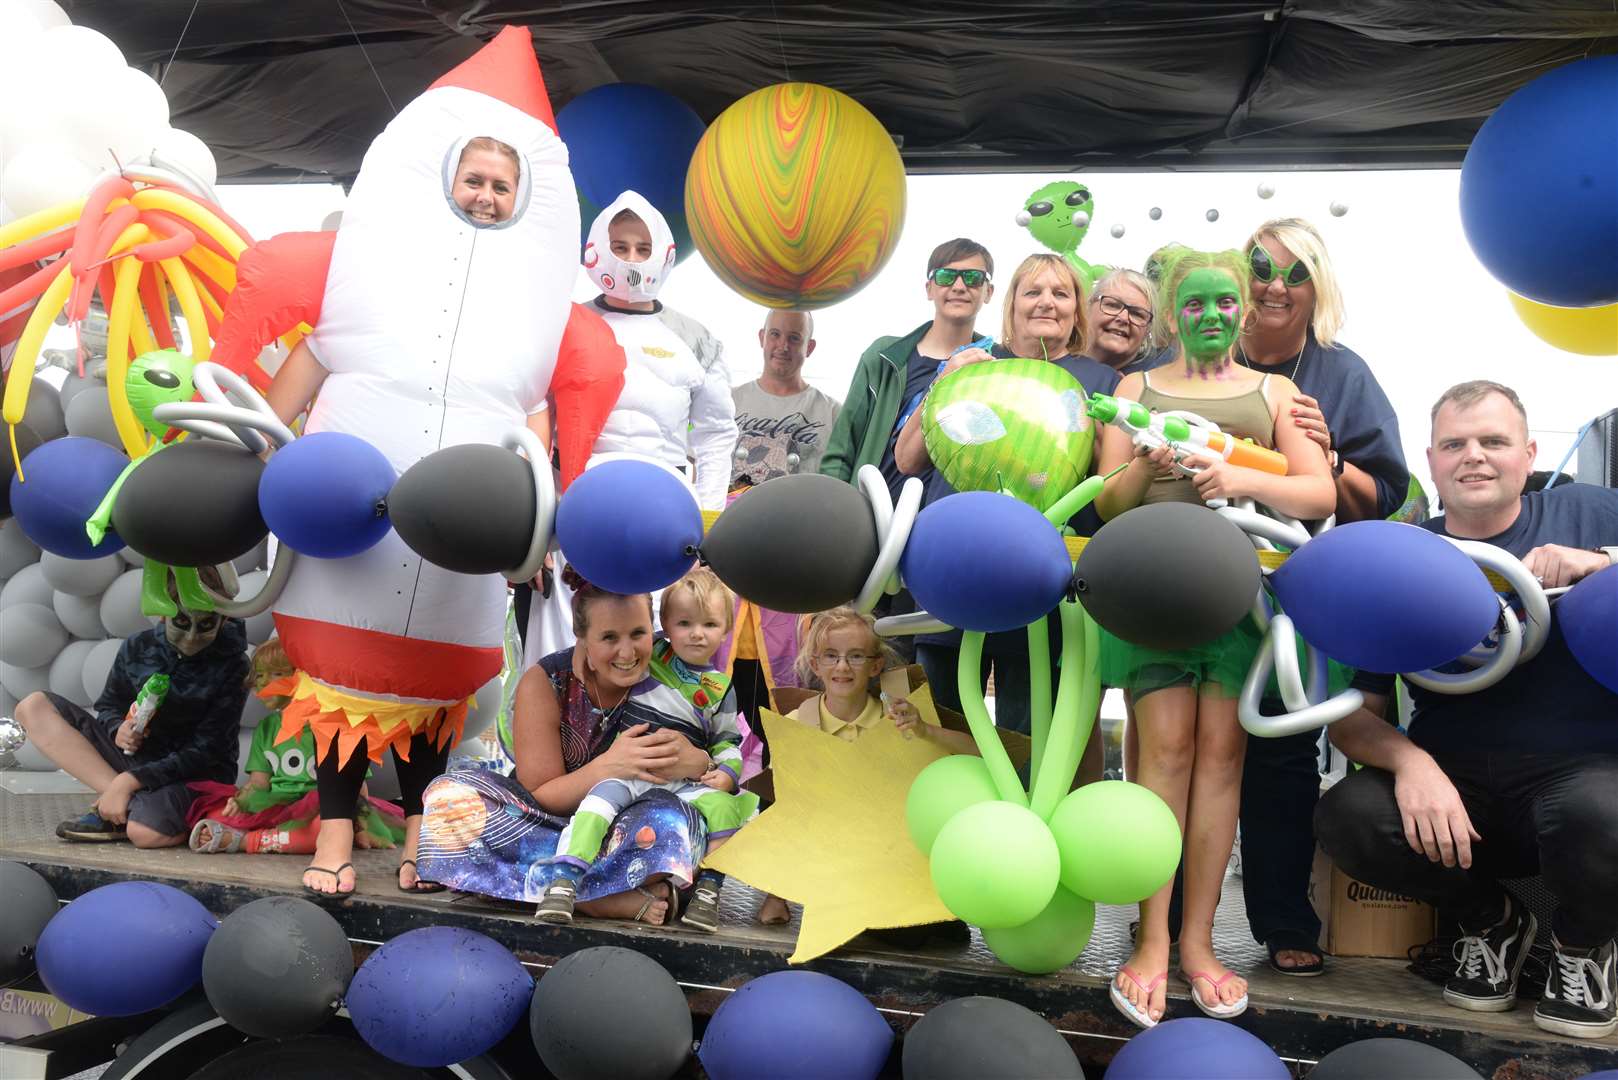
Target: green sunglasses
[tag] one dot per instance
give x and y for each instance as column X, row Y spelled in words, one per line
column 1266, row 269
column 945, row 276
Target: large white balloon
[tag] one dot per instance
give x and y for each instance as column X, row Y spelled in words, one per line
column 253, row 560
column 27, row 586
column 16, row 550
column 97, row 665
column 89, row 413
column 44, row 12
column 483, row 710
column 132, row 557
column 113, row 116
column 120, row 606
column 81, row 577
column 30, row 635
column 67, row 672
column 175, row 147
column 80, row 614
column 20, row 682
column 78, row 52
column 37, row 177
column 260, row 626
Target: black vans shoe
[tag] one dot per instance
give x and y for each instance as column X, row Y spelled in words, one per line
column 1581, row 995
column 91, row 828
column 1487, row 964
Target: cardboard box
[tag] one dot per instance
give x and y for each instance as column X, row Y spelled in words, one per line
column 1357, row 919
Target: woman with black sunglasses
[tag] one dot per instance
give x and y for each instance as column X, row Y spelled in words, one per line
column 1298, row 311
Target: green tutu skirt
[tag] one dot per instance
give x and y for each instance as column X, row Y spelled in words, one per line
column 1217, row 667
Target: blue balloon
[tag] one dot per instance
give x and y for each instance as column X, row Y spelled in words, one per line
column 629, row 526
column 795, row 1025
column 1385, row 596
column 1539, row 184
column 1196, row 1046
column 984, row 561
column 597, row 126
column 438, row 995
column 125, row 948
column 326, row 494
column 1587, row 614
column 67, row 479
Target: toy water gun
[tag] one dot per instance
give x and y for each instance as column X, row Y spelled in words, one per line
column 1186, row 433
column 147, row 702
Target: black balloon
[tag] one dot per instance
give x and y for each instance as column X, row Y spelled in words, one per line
column 313, row 1057
column 1384, row 1059
column 29, row 902
column 277, row 967
column 608, row 1011
column 193, row 504
column 1168, row 576
column 469, row 509
column 985, row 1038
column 799, row 543
column 27, row 443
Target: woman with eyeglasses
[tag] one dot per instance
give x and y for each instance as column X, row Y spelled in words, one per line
column 1045, row 318
column 1298, row 313
column 1121, row 321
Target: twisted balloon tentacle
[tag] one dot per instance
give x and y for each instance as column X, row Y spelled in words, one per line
column 969, row 676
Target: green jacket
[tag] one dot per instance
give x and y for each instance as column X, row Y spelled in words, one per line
column 864, row 427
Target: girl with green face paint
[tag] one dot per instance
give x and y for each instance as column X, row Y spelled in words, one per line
column 1191, row 747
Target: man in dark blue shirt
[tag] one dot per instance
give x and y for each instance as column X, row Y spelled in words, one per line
column 1517, row 779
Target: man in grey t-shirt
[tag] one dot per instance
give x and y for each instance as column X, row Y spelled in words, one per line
column 782, row 420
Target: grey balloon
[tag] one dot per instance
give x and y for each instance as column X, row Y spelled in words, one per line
column 27, row 586
column 80, row 614
column 89, row 414
column 29, row 903
column 30, row 635
column 72, row 386
column 132, row 557
column 985, row 1038
column 43, row 413
column 16, row 550
column 260, row 626
column 1391, row 1058
column 572, row 1017
column 120, row 606
column 484, row 709
column 257, row 559
column 20, row 682
column 67, row 672
column 81, row 577
column 97, row 666
column 277, row 967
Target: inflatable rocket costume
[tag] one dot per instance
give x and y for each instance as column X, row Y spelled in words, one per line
column 435, row 331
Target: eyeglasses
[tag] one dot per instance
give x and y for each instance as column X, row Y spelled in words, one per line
column 831, row 659
column 1266, row 269
column 1111, row 305
column 945, row 276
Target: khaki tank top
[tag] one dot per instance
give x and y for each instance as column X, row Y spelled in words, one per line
column 1246, row 416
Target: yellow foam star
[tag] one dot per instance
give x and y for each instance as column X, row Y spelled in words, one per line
column 836, row 841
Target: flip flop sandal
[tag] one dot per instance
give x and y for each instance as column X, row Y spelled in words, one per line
column 1217, row 1010
column 1136, row 1015
column 1290, row 941
column 651, row 898
column 336, row 877
column 422, row 885
column 222, row 839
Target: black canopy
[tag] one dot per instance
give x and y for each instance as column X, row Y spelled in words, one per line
column 296, row 89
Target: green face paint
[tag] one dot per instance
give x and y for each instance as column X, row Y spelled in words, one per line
column 158, row 378
column 1048, row 215
column 1208, row 314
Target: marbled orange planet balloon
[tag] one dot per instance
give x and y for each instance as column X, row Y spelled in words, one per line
column 795, row 196
column 455, row 816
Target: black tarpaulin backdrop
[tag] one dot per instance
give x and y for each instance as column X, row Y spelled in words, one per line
column 282, row 89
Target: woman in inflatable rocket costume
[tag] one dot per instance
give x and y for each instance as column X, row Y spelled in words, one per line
column 441, row 323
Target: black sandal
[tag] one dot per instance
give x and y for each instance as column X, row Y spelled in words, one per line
column 422, row 885
column 1295, row 941
column 336, row 880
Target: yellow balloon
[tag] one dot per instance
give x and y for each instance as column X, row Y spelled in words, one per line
column 1587, row 331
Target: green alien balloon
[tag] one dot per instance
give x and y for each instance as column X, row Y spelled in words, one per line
column 158, row 378
column 1010, row 425
column 1058, row 215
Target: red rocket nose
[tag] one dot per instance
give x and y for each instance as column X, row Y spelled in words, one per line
column 506, row 69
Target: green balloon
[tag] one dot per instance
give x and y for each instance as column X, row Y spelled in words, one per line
column 942, row 790
column 158, row 378
column 1010, row 425
column 1119, row 842
column 1050, row 941
column 995, row 864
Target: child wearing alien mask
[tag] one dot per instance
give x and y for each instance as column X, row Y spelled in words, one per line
column 140, row 777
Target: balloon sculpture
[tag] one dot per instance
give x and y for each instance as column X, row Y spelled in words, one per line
column 1058, row 215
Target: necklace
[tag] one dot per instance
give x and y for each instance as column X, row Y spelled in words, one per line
column 1241, row 354
column 607, row 715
